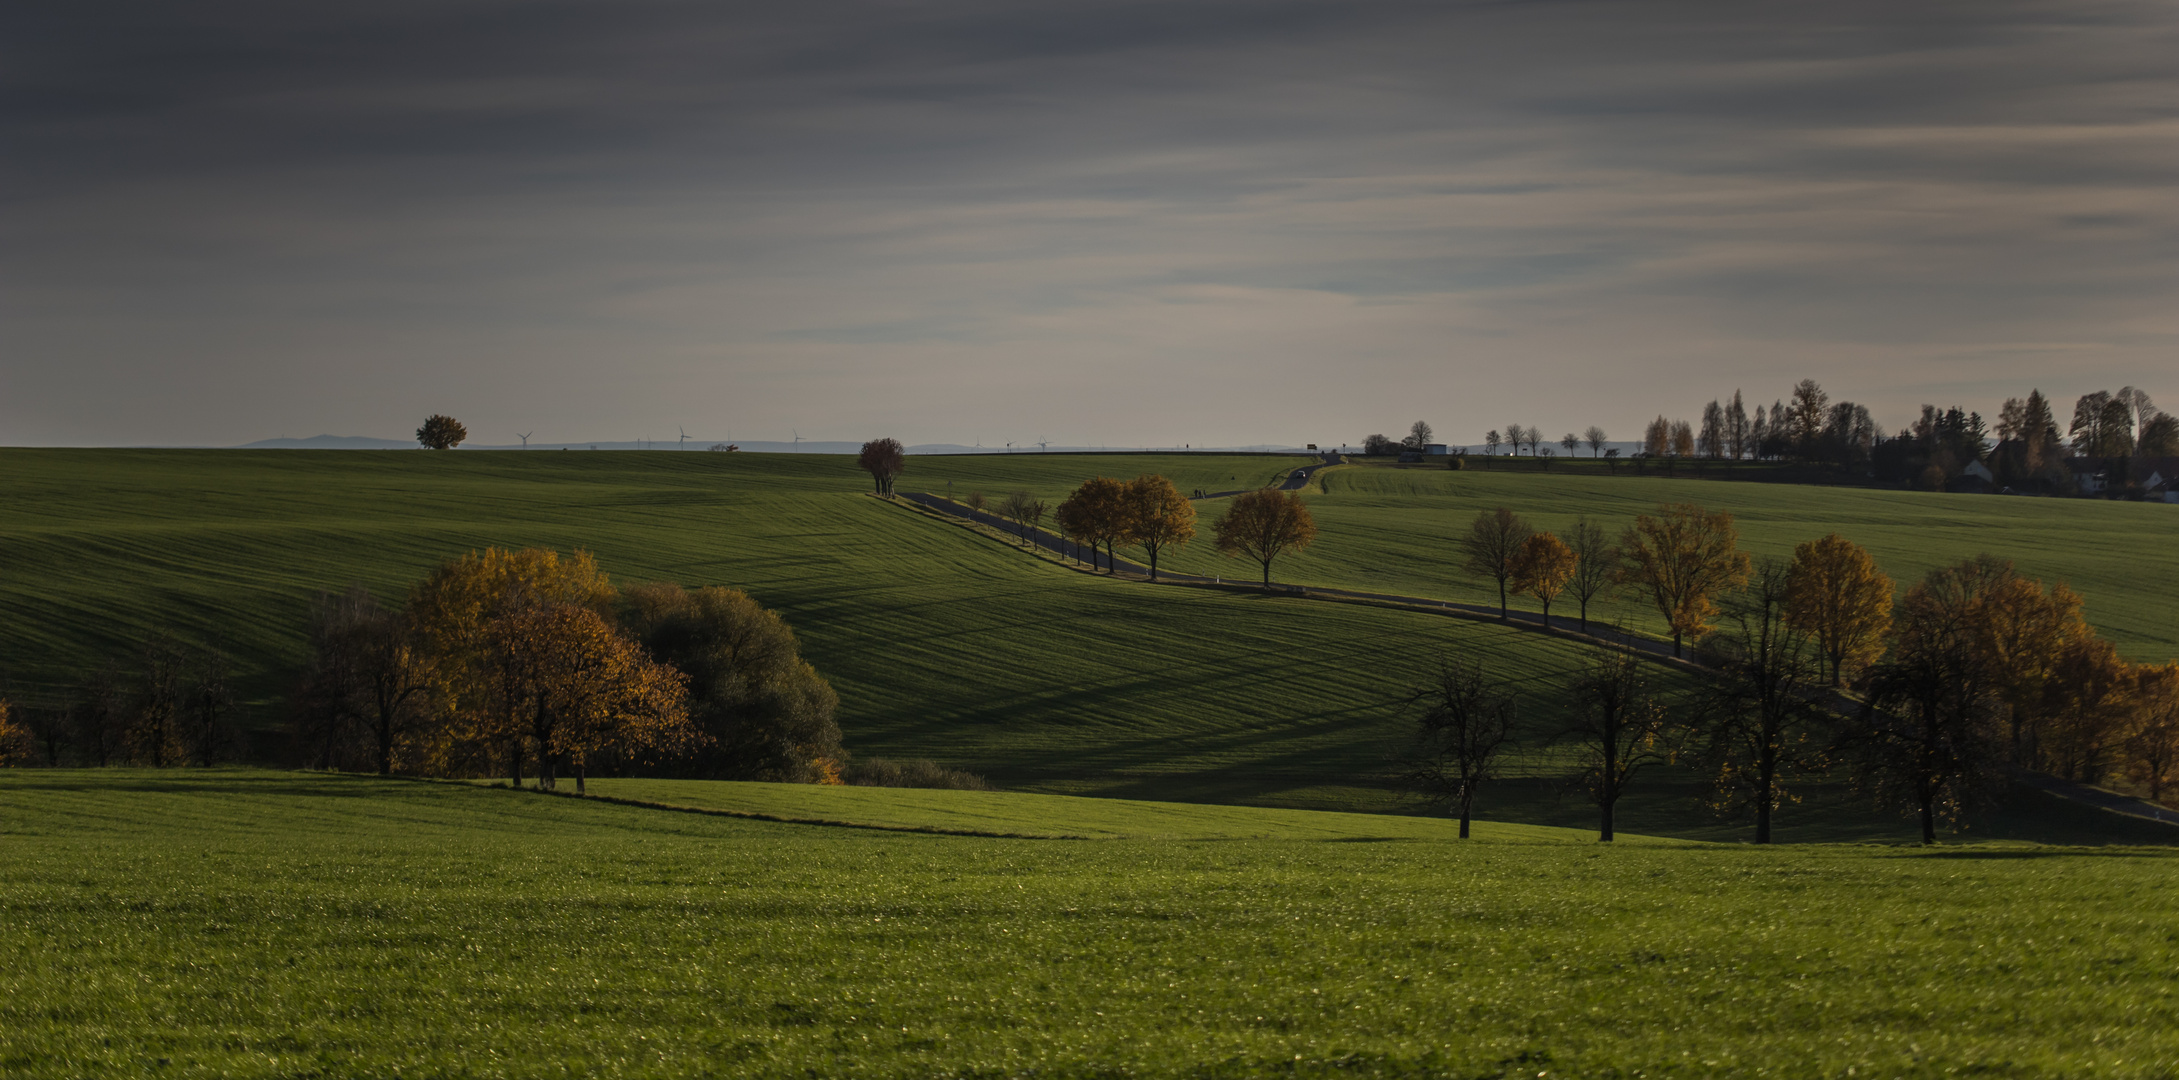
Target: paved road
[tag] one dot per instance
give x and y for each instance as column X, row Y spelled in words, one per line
column 1294, row 481
column 1562, row 623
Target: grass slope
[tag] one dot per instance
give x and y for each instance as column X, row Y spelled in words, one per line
column 1386, row 529
column 275, row 925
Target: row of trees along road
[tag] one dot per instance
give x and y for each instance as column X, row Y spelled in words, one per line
column 1973, row 669
column 1151, row 513
column 503, row 660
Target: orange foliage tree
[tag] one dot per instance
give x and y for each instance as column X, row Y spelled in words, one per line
column 1492, row 544
column 1157, row 516
column 1683, row 557
column 2153, row 741
column 1542, row 567
column 1835, row 592
column 1264, row 524
column 1095, row 513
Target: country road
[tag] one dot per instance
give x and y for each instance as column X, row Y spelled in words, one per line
column 1561, row 624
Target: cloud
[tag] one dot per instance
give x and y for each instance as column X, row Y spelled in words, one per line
column 1141, row 222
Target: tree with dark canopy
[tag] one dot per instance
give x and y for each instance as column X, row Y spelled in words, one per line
column 1619, row 726
column 1762, row 709
column 1492, row 546
column 1465, row 722
column 441, row 432
column 883, row 459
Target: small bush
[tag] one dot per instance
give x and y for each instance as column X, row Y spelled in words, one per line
column 1457, row 462
column 879, row 772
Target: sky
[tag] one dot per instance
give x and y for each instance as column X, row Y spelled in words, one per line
column 1115, row 223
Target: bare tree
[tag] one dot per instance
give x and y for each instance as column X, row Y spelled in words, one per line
column 1465, row 722
column 1516, row 435
column 1736, row 428
column 1711, row 440
column 1620, row 728
column 1418, row 436
column 1571, row 442
column 1493, row 545
column 1596, row 568
column 1490, row 439
column 1595, row 438
column 1762, row 709
column 1016, row 509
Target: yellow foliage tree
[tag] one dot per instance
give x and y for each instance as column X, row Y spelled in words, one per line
column 1095, row 513
column 2153, row 742
column 17, row 746
column 1683, row 557
column 2023, row 630
column 1264, row 524
column 1158, row 516
column 1542, row 567
column 588, row 689
column 1835, row 592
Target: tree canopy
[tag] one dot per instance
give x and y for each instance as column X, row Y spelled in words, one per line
column 1264, row 524
column 441, row 432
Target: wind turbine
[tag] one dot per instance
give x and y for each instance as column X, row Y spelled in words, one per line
column 797, row 439
column 525, row 439
column 1043, row 446
column 684, row 436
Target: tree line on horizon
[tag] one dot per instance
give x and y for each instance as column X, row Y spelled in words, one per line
column 2121, row 435
column 1973, row 670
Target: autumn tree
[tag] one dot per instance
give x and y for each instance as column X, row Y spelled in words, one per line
column 1542, row 567
column 1158, row 516
column 1596, row 565
column 761, row 711
column 1657, row 437
column 1683, row 557
column 2022, row 630
column 441, row 432
column 883, row 459
column 1465, row 722
column 2152, row 742
column 2088, row 703
column 1491, row 546
column 1095, row 513
column 1264, row 524
column 1835, row 592
column 588, row 688
column 154, row 734
column 1620, row 727
column 17, row 745
column 1761, row 710
column 1926, row 739
column 482, row 679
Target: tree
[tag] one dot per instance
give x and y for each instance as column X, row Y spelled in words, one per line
column 1596, row 564
column 883, row 459
column 99, row 716
column 483, row 679
column 206, row 699
column 1736, row 428
column 1807, row 415
column 1158, row 516
column 1016, row 508
column 1542, row 567
column 19, row 747
column 1465, row 722
column 2087, row 706
column 1711, row 440
column 1683, row 440
column 1264, row 524
column 1418, row 436
column 1036, row 510
column 441, row 432
column 1762, row 706
column 581, row 687
column 1657, row 437
column 1379, row 445
column 1491, row 546
column 1096, row 513
column 1570, row 442
column 2153, row 742
column 1926, row 737
column 976, row 501
column 1595, row 438
column 1683, row 557
column 1515, row 436
column 761, row 712
column 155, row 736
column 368, row 681
column 2159, row 436
column 2021, row 630
column 1835, row 591
column 1620, row 728
column 1490, row 439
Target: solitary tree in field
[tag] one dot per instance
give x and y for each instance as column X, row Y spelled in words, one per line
column 1835, row 591
column 1263, row 525
column 1683, row 558
column 1418, row 436
column 1762, row 708
column 1492, row 544
column 1158, row 516
column 1596, row 564
column 1595, row 438
column 1542, row 568
column 1619, row 726
column 883, row 459
column 441, row 432
column 1465, row 722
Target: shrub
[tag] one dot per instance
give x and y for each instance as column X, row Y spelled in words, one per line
column 880, row 772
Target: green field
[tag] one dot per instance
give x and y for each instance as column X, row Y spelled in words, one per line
column 943, row 644
column 258, row 924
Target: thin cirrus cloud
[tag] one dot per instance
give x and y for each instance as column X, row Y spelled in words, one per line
column 1124, row 224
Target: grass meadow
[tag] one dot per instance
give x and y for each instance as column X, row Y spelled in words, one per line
column 246, row 923
column 950, row 646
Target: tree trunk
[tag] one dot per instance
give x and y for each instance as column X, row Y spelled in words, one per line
column 1929, row 819
column 1467, row 806
column 1547, row 614
column 1768, row 779
column 1604, row 827
column 1502, row 616
column 1675, row 644
column 385, row 745
column 514, row 760
column 579, row 776
column 1267, row 573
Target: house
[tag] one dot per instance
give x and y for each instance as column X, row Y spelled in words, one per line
column 2087, row 475
column 1436, row 449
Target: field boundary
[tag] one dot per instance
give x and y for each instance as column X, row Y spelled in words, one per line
column 783, row 819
